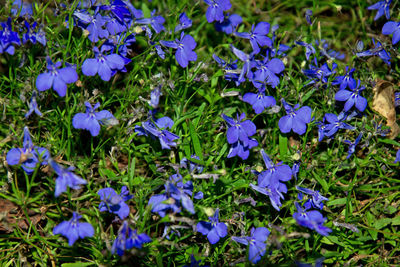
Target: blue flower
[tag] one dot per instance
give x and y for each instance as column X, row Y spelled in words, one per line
column 271, row 191
column 65, row 178
column 238, row 135
column 33, row 36
column 308, row 15
column 127, row 239
column 352, row 146
column 157, row 129
column 310, row 50
column 229, row 68
column 316, row 200
column 29, row 155
column 176, row 196
column 216, row 8
column 118, row 9
column 329, row 53
column 311, row 219
column 296, row 120
column 378, row 50
column 95, row 28
column 214, row 230
column 33, row 106
column 352, row 97
column 56, row 78
column 259, row 101
column 21, row 8
column 8, row 38
column 336, row 122
column 256, row 242
column 114, row 203
column 104, row 65
column 156, row 22
column 188, row 164
column 184, row 49
column 229, row 24
column 194, row 262
column 258, row 36
column 91, row 120
column 319, row 74
column 345, row 80
column 397, row 157
column 73, row 229
column 249, row 63
column 383, row 8
column 392, row 27
column 184, row 22
column 267, row 71
column 274, row 173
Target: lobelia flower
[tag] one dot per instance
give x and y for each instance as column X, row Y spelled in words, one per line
column 91, row 120
column 296, row 120
column 33, row 106
column 329, row 53
column 352, row 146
column 29, row 155
column 229, row 24
column 308, row 15
column 65, row 178
column 248, row 60
column 216, row 8
column 345, row 80
column 309, row 48
column 396, row 99
column 73, row 229
column 256, row 242
column 95, row 28
column 321, row 74
column 114, row 203
column 272, row 191
column 114, row 26
column 156, row 22
column 118, row 9
column 259, row 101
column 8, row 38
column 267, row 71
column 258, row 36
column 184, row 49
column 184, row 22
column 127, row 239
column 33, row 36
column 157, row 129
column 392, row 27
column 104, row 65
column 214, row 230
column 57, row 77
column 194, row 262
column 352, row 98
column 336, row 122
column 176, row 196
column 397, row 156
column 229, row 68
column 378, row 50
column 21, row 8
column 311, row 219
column 188, row 164
column 238, row 135
column 316, row 200
column 383, row 8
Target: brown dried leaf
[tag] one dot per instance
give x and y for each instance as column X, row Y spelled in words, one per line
column 11, row 216
column 383, row 103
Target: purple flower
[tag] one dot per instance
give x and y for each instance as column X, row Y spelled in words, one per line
column 33, row 36
column 259, row 101
column 156, row 22
column 229, row 24
column 296, row 119
column 127, row 239
column 352, row 146
column 336, row 122
column 214, row 230
column 184, row 49
column 118, row 9
column 345, row 80
column 258, row 36
column 249, row 63
column 316, row 200
column 378, row 50
column 238, row 135
column 184, row 22
column 352, row 97
column 65, row 178
column 8, row 38
column 311, row 219
column 321, row 74
column 176, row 196
column 33, row 106
column 274, row 173
column 392, row 27
column 397, row 156
column 383, row 8
column 95, row 28
column 267, row 71
column 309, row 48
column 114, row 203
column 104, row 65
column 157, row 129
column 91, row 120
column 29, row 155
column 216, row 8
column 73, row 229
column 256, row 242
column 56, row 78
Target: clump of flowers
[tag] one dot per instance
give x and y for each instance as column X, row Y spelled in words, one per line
column 114, row 203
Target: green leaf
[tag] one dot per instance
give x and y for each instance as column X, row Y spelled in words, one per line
column 321, row 181
column 283, row 145
column 396, row 220
column 381, row 223
column 77, row 264
column 195, row 141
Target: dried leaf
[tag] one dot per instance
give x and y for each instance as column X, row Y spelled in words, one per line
column 11, row 216
column 383, row 103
